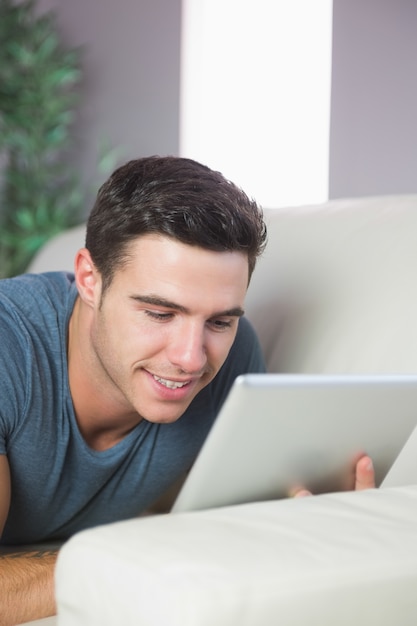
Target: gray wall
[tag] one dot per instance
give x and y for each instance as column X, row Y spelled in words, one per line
column 373, row 139
column 131, row 63
column 132, row 71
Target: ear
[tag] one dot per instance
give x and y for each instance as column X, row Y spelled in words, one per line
column 87, row 278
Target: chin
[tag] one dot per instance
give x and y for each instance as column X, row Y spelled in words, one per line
column 163, row 420
column 164, row 416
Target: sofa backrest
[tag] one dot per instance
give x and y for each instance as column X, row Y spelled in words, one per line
column 335, row 291
column 59, row 252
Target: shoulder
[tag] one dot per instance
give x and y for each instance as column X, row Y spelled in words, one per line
column 34, row 301
column 34, row 314
column 246, row 352
column 35, row 305
column 28, row 289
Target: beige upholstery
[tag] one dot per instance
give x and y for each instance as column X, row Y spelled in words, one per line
column 58, row 254
column 333, row 560
column 336, row 290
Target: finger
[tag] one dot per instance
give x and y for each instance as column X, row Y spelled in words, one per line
column 299, row 492
column 365, row 475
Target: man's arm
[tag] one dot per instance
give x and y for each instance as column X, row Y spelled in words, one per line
column 27, row 586
column 26, row 578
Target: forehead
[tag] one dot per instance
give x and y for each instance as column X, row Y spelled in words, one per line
column 155, row 260
column 154, row 246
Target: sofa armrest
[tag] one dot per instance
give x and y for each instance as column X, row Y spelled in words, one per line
column 333, row 559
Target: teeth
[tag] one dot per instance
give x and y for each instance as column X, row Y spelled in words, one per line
column 171, row 384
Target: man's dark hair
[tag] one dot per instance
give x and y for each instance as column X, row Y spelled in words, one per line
column 173, row 197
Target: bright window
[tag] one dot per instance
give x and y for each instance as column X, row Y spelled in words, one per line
column 255, row 94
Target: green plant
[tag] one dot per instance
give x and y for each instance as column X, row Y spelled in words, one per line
column 40, row 193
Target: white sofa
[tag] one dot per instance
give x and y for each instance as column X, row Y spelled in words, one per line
column 336, row 292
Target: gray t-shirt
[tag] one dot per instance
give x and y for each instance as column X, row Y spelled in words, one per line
column 59, row 484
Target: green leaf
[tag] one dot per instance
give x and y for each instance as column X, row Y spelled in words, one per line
column 40, row 81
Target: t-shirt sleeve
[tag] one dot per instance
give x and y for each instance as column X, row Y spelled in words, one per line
column 13, row 378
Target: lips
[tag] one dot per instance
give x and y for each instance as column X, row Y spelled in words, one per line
column 170, row 384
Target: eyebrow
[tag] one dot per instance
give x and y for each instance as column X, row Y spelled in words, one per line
column 167, row 304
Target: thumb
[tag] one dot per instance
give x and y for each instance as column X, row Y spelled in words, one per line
column 365, row 475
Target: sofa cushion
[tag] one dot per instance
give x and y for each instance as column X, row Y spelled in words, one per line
column 333, row 559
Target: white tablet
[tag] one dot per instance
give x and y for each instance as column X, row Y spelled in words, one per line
column 275, row 432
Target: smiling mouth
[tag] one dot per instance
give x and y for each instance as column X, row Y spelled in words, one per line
column 171, row 384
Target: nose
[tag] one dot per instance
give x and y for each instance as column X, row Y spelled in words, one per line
column 187, row 349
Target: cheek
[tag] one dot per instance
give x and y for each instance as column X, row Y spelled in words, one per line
column 220, row 346
column 140, row 340
column 116, row 336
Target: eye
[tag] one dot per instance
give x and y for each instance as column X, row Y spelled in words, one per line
column 221, row 324
column 158, row 315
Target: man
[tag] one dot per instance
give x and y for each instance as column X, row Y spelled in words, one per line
column 111, row 380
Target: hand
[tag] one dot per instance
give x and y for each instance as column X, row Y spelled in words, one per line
column 362, row 477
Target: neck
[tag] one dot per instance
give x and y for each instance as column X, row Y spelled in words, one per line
column 103, row 420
